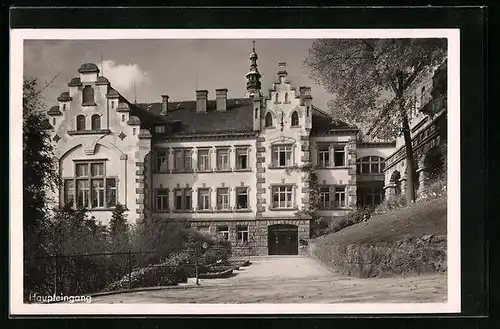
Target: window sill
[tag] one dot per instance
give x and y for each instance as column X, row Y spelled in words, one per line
column 331, row 209
column 205, row 171
column 284, row 209
column 243, row 210
column 223, row 210
column 182, row 171
column 179, row 211
column 337, row 167
column 223, row 170
column 204, row 211
column 89, row 104
column 282, row 168
column 89, row 132
column 156, row 211
column 243, row 170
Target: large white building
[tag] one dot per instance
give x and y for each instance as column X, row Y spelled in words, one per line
column 231, row 167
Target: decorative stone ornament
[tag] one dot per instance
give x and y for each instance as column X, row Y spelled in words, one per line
column 122, row 135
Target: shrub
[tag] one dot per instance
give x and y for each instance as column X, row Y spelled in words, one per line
column 219, row 251
column 393, row 203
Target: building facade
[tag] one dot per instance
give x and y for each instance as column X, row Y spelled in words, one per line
column 428, row 126
column 232, row 167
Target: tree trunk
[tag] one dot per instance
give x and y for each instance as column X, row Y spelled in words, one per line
column 410, row 172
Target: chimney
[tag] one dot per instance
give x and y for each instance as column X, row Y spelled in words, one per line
column 164, row 105
column 282, row 71
column 221, row 99
column 201, row 101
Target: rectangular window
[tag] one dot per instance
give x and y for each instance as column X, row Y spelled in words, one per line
column 282, row 196
column 339, row 157
column 182, row 199
column 161, row 199
column 324, row 198
column 242, row 158
column 98, row 193
column 83, row 193
column 223, row 159
column 223, row 199
column 182, row 160
column 340, row 197
column 69, row 192
column 282, row 156
column 203, row 160
column 223, row 231
column 161, row 161
column 204, row 199
column 91, row 188
column 160, row 129
column 242, row 233
column 242, row 198
column 110, row 192
column 82, row 169
column 324, row 156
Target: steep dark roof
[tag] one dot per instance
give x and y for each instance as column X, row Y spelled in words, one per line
column 54, row 110
column 322, row 121
column 88, row 68
column 102, row 80
column 74, row 82
column 64, row 97
column 237, row 117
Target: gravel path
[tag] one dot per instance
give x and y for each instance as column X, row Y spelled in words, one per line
column 294, row 280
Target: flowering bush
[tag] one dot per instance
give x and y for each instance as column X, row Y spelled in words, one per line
column 436, row 189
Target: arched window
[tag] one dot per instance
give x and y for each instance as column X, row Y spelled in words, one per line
column 286, row 97
column 80, row 122
column 295, row 119
column 269, row 120
column 370, row 165
column 96, row 122
column 256, row 112
column 276, row 97
column 88, row 95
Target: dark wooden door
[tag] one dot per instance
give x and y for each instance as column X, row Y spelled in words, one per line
column 283, row 239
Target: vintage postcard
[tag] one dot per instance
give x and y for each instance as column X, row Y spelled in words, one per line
column 234, row 171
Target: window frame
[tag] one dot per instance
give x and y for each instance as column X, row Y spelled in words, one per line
column 247, row 193
column 91, row 93
column 241, row 233
column 158, row 169
column 295, row 116
column 224, row 233
column 367, row 160
column 201, row 197
column 219, row 195
column 93, row 122
column 184, row 193
column 165, row 203
column 276, row 189
column 186, row 153
column 218, row 152
column 268, row 120
column 278, row 149
column 81, row 119
column 245, row 150
column 337, row 191
column 90, row 189
column 208, row 155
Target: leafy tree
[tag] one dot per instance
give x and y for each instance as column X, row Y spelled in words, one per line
column 372, row 81
column 119, row 229
column 40, row 177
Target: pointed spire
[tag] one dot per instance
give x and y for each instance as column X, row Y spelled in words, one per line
column 253, row 75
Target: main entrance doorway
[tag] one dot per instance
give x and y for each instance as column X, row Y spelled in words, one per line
column 283, row 239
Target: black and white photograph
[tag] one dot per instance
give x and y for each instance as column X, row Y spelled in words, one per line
column 235, row 171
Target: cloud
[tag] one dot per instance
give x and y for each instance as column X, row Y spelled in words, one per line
column 122, row 76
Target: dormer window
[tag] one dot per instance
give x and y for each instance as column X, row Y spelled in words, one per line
column 80, row 122
column 295, row 119
column 96, row 122
column 160, row 129
column 269, row 120
column 88, row 96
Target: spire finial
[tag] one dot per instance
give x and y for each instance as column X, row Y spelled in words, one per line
column 253, row 48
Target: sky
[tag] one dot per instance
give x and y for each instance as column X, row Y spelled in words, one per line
column 173, row 67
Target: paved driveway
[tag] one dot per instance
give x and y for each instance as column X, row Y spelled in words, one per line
column 292, row 280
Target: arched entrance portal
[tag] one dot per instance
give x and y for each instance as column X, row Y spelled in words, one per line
column 283, row 239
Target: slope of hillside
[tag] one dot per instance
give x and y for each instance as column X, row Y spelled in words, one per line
column 402, row 242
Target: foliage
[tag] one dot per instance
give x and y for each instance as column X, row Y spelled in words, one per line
column 40, row 177
column 119, row 232
column 372, row 81
column 393, row 203
column 220, row 251
column 435, row 162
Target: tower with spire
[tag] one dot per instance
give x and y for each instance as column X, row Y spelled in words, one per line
column 253, row 76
